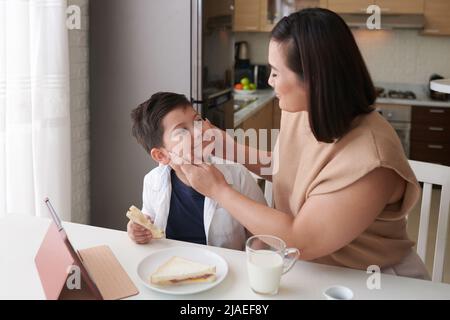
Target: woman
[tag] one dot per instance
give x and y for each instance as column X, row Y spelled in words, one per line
column 343, row 187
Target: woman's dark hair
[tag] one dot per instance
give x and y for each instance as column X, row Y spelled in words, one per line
column 321, row 49
column 147, row 118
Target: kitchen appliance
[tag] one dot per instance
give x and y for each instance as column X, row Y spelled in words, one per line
column 399, row 116
column 261, row 75
column 242, row 67
column 241, row 57
column 436, row 95
column 139, row 47
column 395, row 94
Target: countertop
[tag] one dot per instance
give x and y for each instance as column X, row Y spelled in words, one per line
column 263, row 96
column 421, row 92
column 21, row 236
column 266, row 95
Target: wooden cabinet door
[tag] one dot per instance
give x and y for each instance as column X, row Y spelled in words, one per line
column 437, row 17
column 349, row 6
column 276, row 114
column 214, row 8
column 430, row 134
column 246, row 15
column 302, row 4
column 401, row 6
column 264, row 22
column 261, row 120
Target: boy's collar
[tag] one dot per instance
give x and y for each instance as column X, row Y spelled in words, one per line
column 164, row 177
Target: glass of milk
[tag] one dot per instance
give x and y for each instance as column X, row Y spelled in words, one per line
column 267, row 260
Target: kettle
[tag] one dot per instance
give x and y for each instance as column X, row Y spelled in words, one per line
column 241, row 50
column 241, row 58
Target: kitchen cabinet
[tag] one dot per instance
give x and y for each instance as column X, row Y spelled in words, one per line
column 262, row 119
column 276, row 120
column 215, row 8
column 401, row 6
column 437, row 17
column 349, row 6
column 247, row 15
column 267, row 15
column 430, row 134
column 262, row 15
column 387, row 6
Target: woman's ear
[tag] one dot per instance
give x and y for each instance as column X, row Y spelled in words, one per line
column 160, row 156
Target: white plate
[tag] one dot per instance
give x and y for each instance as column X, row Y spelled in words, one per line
column 244, row 92
column 150, row 263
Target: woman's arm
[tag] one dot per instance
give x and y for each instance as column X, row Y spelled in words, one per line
column 324, row 224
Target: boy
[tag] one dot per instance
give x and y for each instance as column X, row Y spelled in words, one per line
column 166, row 126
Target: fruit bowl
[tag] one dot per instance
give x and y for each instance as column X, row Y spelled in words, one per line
column 244, row 92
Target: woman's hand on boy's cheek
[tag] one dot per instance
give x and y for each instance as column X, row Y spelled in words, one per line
column 205, row 178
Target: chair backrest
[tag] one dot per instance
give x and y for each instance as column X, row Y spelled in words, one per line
column 433, row 174
column 267, row 189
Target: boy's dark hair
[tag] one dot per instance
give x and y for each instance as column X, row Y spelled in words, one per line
column 323, row 53
column 147, row 118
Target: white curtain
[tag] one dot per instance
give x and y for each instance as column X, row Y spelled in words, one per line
column 34, row 107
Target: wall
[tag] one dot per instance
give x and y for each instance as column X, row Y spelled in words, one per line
column 79, row 105
column 402, row 56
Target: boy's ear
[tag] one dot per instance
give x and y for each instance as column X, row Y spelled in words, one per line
column 159, row 155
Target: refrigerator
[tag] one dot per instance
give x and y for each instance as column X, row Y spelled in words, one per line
column 137, row 48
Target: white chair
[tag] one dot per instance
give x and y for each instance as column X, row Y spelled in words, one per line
column 433, row 174
column 267, row 189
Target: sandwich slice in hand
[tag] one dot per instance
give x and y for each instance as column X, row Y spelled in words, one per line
column 178, row 271
column 136, row 215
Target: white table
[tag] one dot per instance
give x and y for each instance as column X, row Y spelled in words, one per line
column 20, row 238
column 442, row 85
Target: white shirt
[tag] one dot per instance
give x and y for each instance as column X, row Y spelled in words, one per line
column 221, row 229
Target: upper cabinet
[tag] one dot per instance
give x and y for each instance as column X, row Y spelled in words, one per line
column 349, row 6
column 215, row 8
column 247, row 15
column 401, row 6
column 268, row 15
column 387, row 6
column 437, row 17
column 262, row 15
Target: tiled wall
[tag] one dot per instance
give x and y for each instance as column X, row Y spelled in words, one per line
column 79, row 104
column 402, row 56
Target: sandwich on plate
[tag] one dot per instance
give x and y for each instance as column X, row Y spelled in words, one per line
column 178, row 271
column 136, row 215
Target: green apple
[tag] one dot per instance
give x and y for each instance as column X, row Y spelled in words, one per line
column 252, row 86
column 245, row 81
column 246, row 87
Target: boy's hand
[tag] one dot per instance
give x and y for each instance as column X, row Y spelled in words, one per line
column 138, row 233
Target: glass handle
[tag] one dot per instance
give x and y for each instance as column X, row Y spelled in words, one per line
column 290, row 257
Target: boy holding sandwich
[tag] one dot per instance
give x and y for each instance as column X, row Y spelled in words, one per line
column 166, row 126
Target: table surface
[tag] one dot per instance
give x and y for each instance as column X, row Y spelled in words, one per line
column 442, row 85
column 21, row 236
